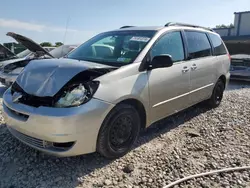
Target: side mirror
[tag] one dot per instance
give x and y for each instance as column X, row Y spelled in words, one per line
column 161, row 61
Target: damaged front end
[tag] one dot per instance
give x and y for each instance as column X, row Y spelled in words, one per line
column 17, row 65
column 78, row 90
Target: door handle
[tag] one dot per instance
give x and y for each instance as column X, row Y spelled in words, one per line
column 193, row 67
column 185, row 69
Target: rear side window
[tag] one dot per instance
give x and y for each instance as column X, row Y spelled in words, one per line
column 219, row 48
column 198, row 44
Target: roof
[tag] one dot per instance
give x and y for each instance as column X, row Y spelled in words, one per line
column 157, row 28
column 242, row 12
column 147, row 28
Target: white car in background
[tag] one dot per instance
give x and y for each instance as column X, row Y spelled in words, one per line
column 240, row 67
column 27, row 53
column 10, row 69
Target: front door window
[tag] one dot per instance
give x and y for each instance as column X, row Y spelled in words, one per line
column 171, row 44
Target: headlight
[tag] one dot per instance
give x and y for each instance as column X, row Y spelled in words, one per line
column 1, row 65
column 77, row 95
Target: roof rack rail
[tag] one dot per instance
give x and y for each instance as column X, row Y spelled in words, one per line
column 126, row 26
column 187, row 25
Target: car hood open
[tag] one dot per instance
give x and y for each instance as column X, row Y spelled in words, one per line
column 44, row 78
column 29, row 44
column 6, row 53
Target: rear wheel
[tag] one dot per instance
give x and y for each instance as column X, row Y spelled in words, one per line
column 217, row 95
column 119, row 131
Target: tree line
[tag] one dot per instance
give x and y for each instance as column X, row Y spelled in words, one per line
column 224, row 26
column 49, row 44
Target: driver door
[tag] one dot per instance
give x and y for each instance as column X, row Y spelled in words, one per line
column 169, row 87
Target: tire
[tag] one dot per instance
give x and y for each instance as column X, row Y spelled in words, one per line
column 119, row 131
column 217, row 94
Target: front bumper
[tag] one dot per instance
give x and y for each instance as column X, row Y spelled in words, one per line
column 44, row 127
column 8, row 79
column 240, row 75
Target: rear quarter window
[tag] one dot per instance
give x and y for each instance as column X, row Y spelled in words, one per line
column 198, row 44
column 219, row 48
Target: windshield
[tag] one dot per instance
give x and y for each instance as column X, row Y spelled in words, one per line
column 115, row 48
column 24, row 53
column 62, row 51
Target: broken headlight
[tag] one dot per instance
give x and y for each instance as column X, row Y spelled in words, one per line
column 77, row 95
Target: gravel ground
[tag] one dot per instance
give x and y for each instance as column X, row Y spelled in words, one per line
column 193, row 141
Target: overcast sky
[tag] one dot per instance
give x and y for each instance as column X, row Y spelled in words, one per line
column 46, row 20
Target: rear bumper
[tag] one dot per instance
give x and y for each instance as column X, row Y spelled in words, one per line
column 242, row 77
column 243, row 74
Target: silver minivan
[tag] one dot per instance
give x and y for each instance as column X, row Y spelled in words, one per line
column 103, row 93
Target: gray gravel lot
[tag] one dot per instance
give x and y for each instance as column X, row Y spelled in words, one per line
column 193, row 141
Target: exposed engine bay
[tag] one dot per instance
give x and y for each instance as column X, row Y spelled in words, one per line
column 75, row 92
column 21, row 64
column 12, row 66
column 38, row 52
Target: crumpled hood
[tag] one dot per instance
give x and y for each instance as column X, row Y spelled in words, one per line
column 46, row 77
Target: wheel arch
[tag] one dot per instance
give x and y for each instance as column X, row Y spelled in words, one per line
column 138, row 105
column 224, row 80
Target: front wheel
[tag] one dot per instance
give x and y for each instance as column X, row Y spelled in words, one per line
column 119, row 131
column 217, row 95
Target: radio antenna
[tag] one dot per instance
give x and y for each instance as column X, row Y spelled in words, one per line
column 66, row 29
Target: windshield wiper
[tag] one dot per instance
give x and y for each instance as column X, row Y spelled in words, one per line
column 100, row 61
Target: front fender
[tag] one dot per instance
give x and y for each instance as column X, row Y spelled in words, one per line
column 118, row 89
